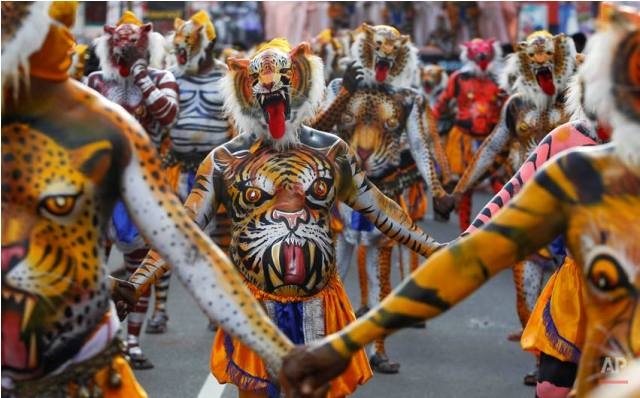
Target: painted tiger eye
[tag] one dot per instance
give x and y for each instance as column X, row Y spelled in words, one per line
column 320, row 188
column 604, row 273
column 59, row 205
column 252, row 195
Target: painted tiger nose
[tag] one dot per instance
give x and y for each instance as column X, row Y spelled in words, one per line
column 292, row 219
column 364, row 153
column 12, row 255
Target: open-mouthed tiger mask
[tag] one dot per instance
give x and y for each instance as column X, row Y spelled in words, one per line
column 544, row 63
column 191, row 39
column 386, row 55
column 275, row 91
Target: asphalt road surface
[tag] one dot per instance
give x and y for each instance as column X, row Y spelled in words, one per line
column 462, row 353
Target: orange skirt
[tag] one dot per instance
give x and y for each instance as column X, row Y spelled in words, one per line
column 460, row 149
column 129, row 387
column 557, row 323
column 173, row 176
column 232, row 362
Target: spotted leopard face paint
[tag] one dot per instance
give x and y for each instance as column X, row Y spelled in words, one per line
column 53, row 285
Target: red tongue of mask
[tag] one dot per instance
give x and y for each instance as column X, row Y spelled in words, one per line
column 382, row 70
column 294, row 273
column 123, row 69
column 15, row 355
column 545, row 81
column 276, row 110
column 182, row 59
column 483, row 64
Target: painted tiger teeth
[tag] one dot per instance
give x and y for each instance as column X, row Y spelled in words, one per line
column 29, row 305
column 33, row 351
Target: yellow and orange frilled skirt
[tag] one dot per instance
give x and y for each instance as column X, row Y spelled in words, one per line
column 460, row 149
column 557, row 323
column 232, row 362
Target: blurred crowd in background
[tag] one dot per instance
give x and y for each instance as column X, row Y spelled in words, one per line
column 435, row 27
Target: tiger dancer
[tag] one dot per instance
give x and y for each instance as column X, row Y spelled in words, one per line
column 536, row 76
column 151, row 96
column 589, row 195
column 474, row 94
column 279, row 180
column 200, row 126
column 67, row 155
column 375, row 111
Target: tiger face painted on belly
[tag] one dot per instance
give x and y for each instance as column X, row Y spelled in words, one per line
column 281, row 241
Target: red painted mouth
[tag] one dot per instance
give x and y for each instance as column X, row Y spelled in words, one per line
column 545, row 81
column 483, row 64
column 123, row 68
column 382, row 70
column 182, row 56
column 19, row 346
column 295, row 271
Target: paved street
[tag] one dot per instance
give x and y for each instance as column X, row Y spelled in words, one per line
column 463, row 353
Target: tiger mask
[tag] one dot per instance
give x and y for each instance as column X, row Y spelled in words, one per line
column 434, row 79
column 111, row 47
column 386, row 55
column 191, row 41
column 53, row 286
column 480, row 56
column 541, row 66
column 275, row 92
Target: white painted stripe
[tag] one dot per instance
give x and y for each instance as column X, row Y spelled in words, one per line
column 211, row 388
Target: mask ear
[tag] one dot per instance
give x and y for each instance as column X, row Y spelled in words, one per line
column 522, row 46
column 365, row 27
column 237, row 65
column 93, row 160
column 239, row 71
column 404, row 39
column 301, row 49
column 178, row 23
column 109, row 29
column 148, row 27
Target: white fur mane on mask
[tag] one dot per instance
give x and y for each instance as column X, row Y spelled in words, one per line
column 303, row 109
column 513, row 80
column 494, row 68
column 406, row 78
column 596, row 72
column 28, row 39
column 574, row 106
column 110, row 72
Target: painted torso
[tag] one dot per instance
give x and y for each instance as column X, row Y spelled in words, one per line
column 60, row 162
column 528, row 125
column 601, row 196
column 373, row 123
column 478, row 100
column 126, row 93
column 279, row 203
column 201, row 124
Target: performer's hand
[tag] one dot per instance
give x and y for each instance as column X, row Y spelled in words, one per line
column 457, row 198
column 352, row 77
column 123, row 294
column 306, row 372
column 444, row 205
column 133, row 55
